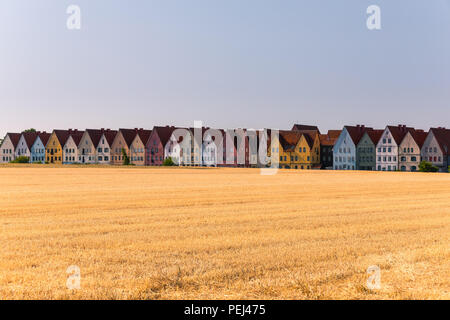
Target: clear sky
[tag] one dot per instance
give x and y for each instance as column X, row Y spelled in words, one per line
column 229, row 63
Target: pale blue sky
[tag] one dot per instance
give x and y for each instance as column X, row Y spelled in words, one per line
column 248, row 63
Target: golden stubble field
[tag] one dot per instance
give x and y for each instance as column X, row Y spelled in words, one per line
column 153, row 233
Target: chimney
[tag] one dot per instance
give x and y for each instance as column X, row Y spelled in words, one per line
column 70, row 130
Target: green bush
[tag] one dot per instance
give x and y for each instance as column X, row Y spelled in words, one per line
column 21, row 159
column 426, row 166
column 168, row 162
column 126, row 159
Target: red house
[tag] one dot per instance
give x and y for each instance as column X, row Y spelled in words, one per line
column 155, row 145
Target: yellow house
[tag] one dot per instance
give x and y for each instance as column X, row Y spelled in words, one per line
column 53, row 149
column 298, row 149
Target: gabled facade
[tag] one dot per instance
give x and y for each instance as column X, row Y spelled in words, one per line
column 409, row 152
column 388, row 147
column 26, row 140
column 298, row 149
column 327, row 142
column 344, row 151
column 38, row 148
column 70, row 149
column 8, row 147
column 54, row 147
column 366, row 150
column 155, row 147
column 104, row 146
column 94, row 147
column 436, row 148
column 138, row 147
column 122, row 141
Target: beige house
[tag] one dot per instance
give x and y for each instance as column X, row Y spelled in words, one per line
column 137, row 148
column 410, row 149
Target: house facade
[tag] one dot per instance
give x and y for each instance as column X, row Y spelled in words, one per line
column 138, row 147
column 327, row 142
column 37, row 150
column 388, row 147
column 8, row 147
column 54, row 147
column 155, row 147
column 95, row 145
column 70, row 149
column 436, row 148
column 104, row 146
column 122, row 141
column 344, row 151
column 26, row 140
column 409, row 153
column 366, row 150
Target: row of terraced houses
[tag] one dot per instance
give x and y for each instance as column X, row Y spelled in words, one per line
column 395, row 148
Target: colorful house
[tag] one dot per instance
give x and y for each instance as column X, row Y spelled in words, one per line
column 366, row 150
column 137, row 147
column 26, row 140
column 436, row 148
column 122, row 143
column 327, row 142
column 388, row 145
column 37, row 150
column 409, row 153
column 298, row 149
column 104, row 146
column 344, row 151
column 95, row 147
column 70, row 149
column 54, row 147
column 8, row 147
column 156, row 143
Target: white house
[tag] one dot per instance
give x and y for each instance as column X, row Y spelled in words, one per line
column 26, row 141
column 70, row 152
column 436, row 148
column 388, row 147
column 8, row 147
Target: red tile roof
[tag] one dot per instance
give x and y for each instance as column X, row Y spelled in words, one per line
column 95, row 135
column 289, row 139
column 128, row 135
column 399, row 132
column 164, row 133
column 330, row 138
column 62, row 136
column 110, row 136
column 442, row 136
column 305, row 127
column 357, row 132
column 144, row 135
column 14, row 137
column 76, row 136
column 30, row 138
column 419, row 137
column 44, row 136
column 375, row 135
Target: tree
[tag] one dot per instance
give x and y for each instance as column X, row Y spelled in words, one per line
column 21, row 159
column 426, row 166
column 126, row 159
column 30, row 130
column 168, row 162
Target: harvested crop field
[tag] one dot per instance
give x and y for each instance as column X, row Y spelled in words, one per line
column 155, row 233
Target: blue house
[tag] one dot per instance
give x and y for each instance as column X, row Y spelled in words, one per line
column 344, row 150
column 37, row 150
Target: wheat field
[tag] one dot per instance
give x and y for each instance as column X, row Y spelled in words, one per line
column 175, row 233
